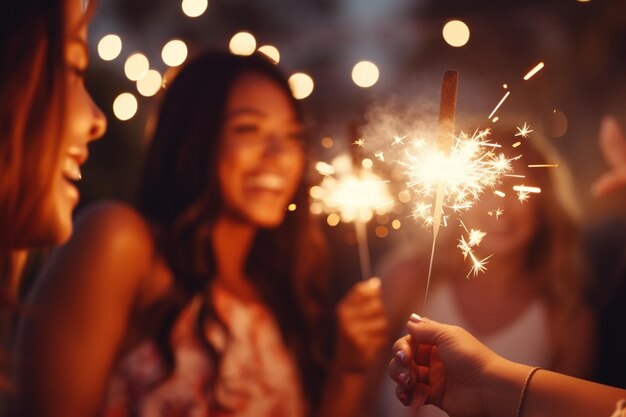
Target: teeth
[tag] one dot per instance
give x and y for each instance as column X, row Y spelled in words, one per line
column 269, row 181
column 72, row 170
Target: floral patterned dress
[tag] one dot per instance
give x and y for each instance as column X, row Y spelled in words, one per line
column 258, row 377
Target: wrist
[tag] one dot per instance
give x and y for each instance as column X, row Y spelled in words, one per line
column 502, row 388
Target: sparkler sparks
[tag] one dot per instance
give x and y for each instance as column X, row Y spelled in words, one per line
column 464, row 173
column 478, row 265
column 398, row 140
column 508, row 93
column 355, row 196
column 380, row 156
column 359, row 142
column 496, row 213
column 523, row 131
column 533, row 71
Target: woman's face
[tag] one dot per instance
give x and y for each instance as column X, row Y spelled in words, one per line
column 262, row 156
column 84, row 122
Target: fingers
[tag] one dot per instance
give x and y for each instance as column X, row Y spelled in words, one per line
column 612, row 143
column 608, row 183
column 613, row 146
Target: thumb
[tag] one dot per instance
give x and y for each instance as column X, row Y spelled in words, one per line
column 425, row 331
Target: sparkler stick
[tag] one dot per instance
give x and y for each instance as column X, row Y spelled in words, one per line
column 364, row 253
column 445, row 136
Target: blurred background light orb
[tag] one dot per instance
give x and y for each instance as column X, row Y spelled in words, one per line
column 271, row 52
column 456, row 33
column 150, row 84
column 365, row 74
column 109, row 47
column 301, row 85
column 174, row 53
column 194, row 8
column 242, row 43
column 125, row 106
column 136, row 66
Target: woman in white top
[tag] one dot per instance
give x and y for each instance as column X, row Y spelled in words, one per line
column 528, row 305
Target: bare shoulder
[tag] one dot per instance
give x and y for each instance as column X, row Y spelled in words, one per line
column 110, row 251
column 116, row 224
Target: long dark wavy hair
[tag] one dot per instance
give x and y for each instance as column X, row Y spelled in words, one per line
column 180, row 196
column 32, row 111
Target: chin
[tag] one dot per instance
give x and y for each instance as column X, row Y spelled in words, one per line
column 267, row 222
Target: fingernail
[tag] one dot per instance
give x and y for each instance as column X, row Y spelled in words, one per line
column 400, row 356
column 405, row 378
column 416, row 318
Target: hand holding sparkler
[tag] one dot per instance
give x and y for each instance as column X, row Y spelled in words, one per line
column 613, row 147
column 362, row 327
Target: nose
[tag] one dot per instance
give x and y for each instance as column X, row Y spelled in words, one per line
column 98, row 122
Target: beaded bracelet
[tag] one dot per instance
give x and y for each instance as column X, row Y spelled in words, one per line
column 524, row 389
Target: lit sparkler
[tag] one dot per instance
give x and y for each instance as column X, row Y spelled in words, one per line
column 355, row 195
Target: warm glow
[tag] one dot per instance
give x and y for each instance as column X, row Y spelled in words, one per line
column 150, row 84
column 365, row 74
column 242, row 43
column 125, row 106
column 354, row 196
column 301, row 85
column 271, row 52
column 174, row 53
column 109, row 47
column 136, row 66
column 396, row 224
column 456, row 33
column 194, row 8
column 291, row 207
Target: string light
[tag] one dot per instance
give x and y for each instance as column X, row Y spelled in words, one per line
column 109, row 47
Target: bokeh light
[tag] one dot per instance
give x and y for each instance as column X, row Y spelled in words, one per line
column 271, row 52
column 292, row 207
column 150, row 84
column 555, row 123
column 456, row 33
column 396, row 224
column 194, row 8
column 381, row 232
column 242, row 43
column 136, row 66
column 333, row 219
column 365, row 74
column 174, row 53
column 301, row 85
column 367, row 163
column 328, row 142
column 125, row 106
column 109, row 47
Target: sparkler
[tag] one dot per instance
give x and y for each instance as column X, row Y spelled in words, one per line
column 355, row 196
column 454, row 172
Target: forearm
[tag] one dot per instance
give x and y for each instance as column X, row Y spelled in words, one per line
column 548, row 394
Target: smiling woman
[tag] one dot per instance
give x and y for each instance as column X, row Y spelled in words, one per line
column 210, row 296
column 46, row 121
